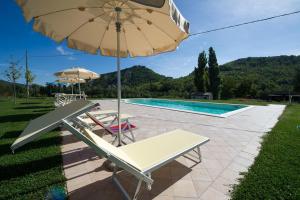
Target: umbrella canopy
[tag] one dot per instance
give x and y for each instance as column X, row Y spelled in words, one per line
column 118, row 28
column 70, row 80
column 89, row 25
column 77, row 73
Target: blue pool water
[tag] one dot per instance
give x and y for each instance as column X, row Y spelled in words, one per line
column 198, row 107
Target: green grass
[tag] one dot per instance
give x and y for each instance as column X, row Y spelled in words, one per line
column 275, row 173
column 35, row 168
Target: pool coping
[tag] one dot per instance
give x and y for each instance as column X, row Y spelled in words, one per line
column 225, row 115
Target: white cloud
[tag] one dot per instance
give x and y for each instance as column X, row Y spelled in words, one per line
column 294, row 52
column 64, row 52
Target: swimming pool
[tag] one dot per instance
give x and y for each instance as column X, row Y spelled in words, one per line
column 214, row 109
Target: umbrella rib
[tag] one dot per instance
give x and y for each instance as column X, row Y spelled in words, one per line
column 126, row 43
column 157, row 28
column 83, row 24
column 105, row 33
column 126, row 1
column 142, row 33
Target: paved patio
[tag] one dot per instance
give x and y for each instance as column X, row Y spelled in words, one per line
column 234, row 143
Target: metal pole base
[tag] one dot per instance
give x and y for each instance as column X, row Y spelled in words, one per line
column 110, row 166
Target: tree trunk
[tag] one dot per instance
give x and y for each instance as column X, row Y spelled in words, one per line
column 15, row 96
column 27, row 86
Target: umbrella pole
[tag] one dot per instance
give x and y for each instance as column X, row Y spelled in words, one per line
column 79, row 87
column 118, row 29
column 72, row 87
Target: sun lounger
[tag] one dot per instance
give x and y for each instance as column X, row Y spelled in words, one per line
column 126, row 127
column 105, row 120
column 139, row 159
column 143, row 157
column 52, row 120
column 100, row 113
column 62, row 99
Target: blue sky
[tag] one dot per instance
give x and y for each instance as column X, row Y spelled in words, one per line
column 270, row 38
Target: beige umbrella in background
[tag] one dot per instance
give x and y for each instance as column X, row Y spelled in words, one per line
column 70, row 81
column 118, row 28
column 77, row 73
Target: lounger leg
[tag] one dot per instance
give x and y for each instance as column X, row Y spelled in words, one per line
column 199, row 153
column 115, row 139
column 116, row 181
column 130, row 130
column 149, row 186
column 115, row 170
column 137, row 190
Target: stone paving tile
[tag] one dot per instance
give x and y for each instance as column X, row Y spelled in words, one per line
column 201, row 186
column 234, row 144
column 213, row 194
column 184, row 188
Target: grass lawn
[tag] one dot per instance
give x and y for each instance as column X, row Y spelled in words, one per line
column 275, row 173
column 35, row 168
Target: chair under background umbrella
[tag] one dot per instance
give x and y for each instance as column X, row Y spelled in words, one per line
column 77, row 73
column 71, row 81
column 119, row 28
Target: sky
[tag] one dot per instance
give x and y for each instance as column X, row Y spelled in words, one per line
column 280, row 36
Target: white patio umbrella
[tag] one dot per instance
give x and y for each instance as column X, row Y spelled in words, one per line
column 70, row 81
column 77, row 73
column 118, row 28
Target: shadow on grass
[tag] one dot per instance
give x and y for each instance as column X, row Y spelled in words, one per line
column 11, row 134
column 44, row 110
column 33, row 107
column 40, row 190
column 19, row 117
column 42, row 143
column 21, row 169
column 28, row 103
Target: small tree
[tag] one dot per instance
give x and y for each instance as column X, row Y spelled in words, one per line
column 13, row 73
column 29, row 77
column 199, row 78
column 214, row 74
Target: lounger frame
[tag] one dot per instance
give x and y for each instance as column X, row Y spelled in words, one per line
column 52, row 126
column 142, row 176
column 107, row 127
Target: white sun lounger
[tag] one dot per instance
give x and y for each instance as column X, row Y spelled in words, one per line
column 139, row 159
column 52, row 120
column 105, row 120
column 143, row 157
column 126, row 127
column 100, row 113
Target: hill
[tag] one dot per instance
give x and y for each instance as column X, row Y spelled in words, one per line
column 133, row 81
column 132, row 76
column 261, row 75
column 246, row 77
